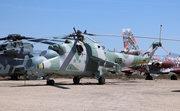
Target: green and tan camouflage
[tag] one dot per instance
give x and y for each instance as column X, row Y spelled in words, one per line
column 81, row 59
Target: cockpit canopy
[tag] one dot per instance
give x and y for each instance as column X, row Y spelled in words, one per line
column 49, row 54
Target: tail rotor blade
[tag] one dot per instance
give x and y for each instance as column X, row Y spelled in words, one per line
column 160, row 33
column 166, row 50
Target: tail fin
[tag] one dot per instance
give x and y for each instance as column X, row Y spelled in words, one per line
column 153, row 46
column 151, row 50
column 130, row 44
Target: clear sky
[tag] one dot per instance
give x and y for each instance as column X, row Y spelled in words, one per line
column 47, row 18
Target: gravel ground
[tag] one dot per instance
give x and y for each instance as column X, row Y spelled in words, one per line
column 116, row 94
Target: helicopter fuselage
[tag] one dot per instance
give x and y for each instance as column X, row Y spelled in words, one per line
column 13, row 58
column 79, row 58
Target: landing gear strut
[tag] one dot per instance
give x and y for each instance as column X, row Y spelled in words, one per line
column 101, row 80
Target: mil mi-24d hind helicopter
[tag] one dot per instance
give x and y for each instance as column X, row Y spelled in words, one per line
column 80, row 58
column 14, row 53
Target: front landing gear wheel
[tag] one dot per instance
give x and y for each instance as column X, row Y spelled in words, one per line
column 101, row 80
column 76, row 80
column 173, row 77
column 50, row 82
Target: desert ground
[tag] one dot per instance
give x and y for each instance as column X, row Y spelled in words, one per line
column 115, row 95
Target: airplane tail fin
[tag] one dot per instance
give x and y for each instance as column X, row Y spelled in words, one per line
column 131, row 46
column 129, row 41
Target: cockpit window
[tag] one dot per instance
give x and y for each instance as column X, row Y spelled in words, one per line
column 67, row 41
column 48, row 54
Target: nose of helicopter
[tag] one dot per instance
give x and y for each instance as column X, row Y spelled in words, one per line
column 34, row 62
column 44, row 57
column 32, row 65
column 37, row 66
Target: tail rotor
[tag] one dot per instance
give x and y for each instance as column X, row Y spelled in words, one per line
column 160, row 44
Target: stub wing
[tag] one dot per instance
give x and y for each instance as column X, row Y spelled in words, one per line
column 102, row 62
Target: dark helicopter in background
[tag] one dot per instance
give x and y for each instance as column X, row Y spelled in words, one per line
column 14, row 53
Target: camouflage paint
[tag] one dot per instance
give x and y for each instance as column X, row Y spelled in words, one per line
column 86, row 60
column 13, row 58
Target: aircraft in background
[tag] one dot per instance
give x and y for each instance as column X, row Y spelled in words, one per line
column 157, row 65
column 14, row 53
column 79, row 58
column 130, row 44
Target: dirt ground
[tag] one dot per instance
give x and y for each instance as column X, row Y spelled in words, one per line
column 116, row 94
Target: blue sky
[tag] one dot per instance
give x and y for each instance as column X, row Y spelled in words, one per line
column 45, row 18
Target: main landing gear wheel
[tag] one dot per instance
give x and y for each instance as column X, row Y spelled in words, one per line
column 50, row 82
column 149, row 77
column 76, row 80
column 173, row 77
column 14, row 77
column 101, row 80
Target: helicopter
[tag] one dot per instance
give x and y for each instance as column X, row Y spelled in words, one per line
column 79, row 58
column 14, row 54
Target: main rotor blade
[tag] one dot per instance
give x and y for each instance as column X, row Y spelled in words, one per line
column 90, row 38
column 4, row 38
column 41, row 40
column 147, row 37
column 44, row 41
column 74, row 30
column 63, row 37
column 57, row 40
column 47, row 42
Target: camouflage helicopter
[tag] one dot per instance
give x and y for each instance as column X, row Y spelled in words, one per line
column 80, row 58
column 14, row 54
